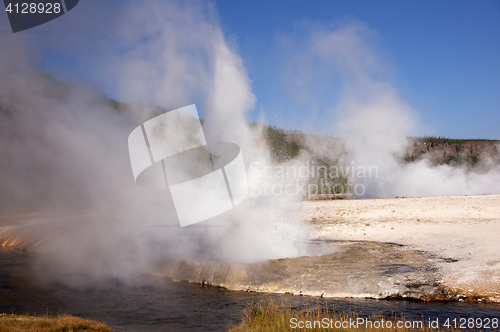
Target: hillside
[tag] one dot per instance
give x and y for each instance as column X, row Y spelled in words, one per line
column 286, row 145
column 289, row 144
column 453, row 151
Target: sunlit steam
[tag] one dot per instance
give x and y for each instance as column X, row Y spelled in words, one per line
column 65, row 158
column 373, row 121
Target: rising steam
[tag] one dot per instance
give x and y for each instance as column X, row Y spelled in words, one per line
column 374, row 122
column 64, row 147
column 65, row 158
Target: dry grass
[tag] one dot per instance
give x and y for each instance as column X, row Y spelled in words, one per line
column 269, row 317
column 62, row 323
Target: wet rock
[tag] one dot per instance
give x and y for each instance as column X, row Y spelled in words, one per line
column 359, row 269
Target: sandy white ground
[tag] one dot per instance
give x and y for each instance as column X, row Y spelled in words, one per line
column 462, row 228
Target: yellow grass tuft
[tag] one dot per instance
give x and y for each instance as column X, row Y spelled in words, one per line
column 61, row 323
column 269, row 317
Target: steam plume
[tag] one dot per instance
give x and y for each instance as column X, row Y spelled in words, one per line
column 374, row 122
column 65, row 158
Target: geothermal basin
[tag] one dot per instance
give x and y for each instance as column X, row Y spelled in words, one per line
column 431, row 249
column 427, row 248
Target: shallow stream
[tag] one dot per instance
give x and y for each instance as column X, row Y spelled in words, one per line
column 158, row 304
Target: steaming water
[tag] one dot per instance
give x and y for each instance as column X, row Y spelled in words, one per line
column 162, row 305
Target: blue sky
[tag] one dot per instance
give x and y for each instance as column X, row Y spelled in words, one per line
column 445, row 55
column 442, row 57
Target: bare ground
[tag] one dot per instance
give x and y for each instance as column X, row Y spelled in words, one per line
column 463, row 231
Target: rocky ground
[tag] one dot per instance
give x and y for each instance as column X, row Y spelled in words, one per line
column 461, row 232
